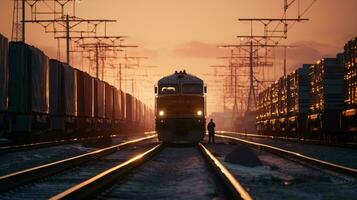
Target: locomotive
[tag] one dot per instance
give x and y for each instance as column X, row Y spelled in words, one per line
column 180, row 108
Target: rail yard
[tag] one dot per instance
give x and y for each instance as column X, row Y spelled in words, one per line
column 176, row 106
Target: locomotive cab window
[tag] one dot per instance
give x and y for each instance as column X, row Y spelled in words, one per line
column 168, row 89
column 192, row 89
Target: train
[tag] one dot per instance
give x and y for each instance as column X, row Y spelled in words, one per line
column 43, row 98
column 317, row 101
column 180, row 108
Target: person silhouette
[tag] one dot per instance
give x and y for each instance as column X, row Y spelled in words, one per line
column 211, row 125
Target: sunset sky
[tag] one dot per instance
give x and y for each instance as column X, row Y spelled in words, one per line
column 183, row 34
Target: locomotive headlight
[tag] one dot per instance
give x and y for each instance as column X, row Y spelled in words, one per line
column 161, row 113
column 199, row 112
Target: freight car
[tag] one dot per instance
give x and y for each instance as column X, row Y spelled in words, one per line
column 180, row 108
column 28, row 89
column 42, row 98
column 316, row 101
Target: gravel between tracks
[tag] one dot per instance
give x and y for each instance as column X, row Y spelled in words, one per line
column 176, row 173
column 342, row 156
column 279, row 178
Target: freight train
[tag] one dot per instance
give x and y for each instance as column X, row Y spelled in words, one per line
column 180, row 108
column 45, row 98
column 315, row 101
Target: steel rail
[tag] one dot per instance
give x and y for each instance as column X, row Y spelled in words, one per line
column 304, row 141
column 37, row 145
column 236, row 190
column 16, row 179
column 99, row 182
column 321, row 163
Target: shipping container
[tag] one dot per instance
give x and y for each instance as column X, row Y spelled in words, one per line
column 57, row 102
column 84, row 94
column 81, row 98
column 62, row 96
column 274, row 99
column 89, row 95
column 327, row 95
column 264, row 111
column 116, row 104
column 70, row 90
column 349, row 114
column 298, row 99
column 85, row 102
column 4, row 73
column 123, row 105
column 100, row 98
column 28, row 88
column 28, row 79
column 130, row 108
column 283, row 97
column 137, row 110
column 4, row 78
column 109, row 101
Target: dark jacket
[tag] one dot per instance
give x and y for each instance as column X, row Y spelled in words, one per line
column 211, row 127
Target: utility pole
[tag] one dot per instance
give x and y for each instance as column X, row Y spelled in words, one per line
column 50, row 18
column 96, row 61
column 69, row 23
column 19, row 14
column 23, row 20
column 67, row 39
column 103, row 47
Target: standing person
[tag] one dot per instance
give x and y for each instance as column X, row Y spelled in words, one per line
column 211, row 125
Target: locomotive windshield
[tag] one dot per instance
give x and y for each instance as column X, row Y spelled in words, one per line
column 168, row 89
column 192, row 88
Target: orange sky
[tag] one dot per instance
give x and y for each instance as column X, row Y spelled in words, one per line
column 183, row 34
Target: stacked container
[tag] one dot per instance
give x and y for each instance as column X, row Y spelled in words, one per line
column 298, row 99
column 264, row 111
column 282, row 104
column 349, row 114
column 327, row 92
column 274, row 105
column 4, row 78
column 28, row 88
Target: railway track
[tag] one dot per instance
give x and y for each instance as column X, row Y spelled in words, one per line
column 162, row 172
column 37, row 145
column 297, row 140
column 297, row 156
column 31, row 177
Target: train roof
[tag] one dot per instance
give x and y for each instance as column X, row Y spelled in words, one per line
column 180, row 76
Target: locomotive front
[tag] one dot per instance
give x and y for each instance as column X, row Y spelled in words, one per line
column 180, row 108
